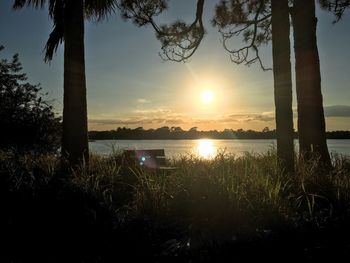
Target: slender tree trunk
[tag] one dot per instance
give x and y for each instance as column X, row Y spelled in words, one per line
column 74, row 138
column 311, row 122
column 282, row 84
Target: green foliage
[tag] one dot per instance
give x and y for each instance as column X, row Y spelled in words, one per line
column 27, row 121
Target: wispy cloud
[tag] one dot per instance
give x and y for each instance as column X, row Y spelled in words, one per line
column 175, row 121
column 161, row 116
column 157, row 111
column 128, row 121
column 250, row 117
column 114, row 121
column 142, row 101
column 337, row 111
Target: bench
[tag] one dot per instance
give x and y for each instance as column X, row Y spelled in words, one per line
column 148, row 159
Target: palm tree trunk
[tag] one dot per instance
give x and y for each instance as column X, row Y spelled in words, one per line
column 282, row 84
column 311, row 122
column 74, row 138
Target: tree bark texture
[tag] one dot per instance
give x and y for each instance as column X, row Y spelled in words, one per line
column 311, row 121
column 75, row 136
column 282, row 84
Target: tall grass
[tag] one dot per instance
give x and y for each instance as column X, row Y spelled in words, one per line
column 221, row 199
column 203, row 202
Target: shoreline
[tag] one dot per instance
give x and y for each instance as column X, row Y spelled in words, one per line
column 184, row 139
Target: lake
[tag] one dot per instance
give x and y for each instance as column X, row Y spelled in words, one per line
column 205, row 148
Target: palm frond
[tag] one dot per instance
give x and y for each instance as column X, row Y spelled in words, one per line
column 18, row 4
column 56, row 12
column 55, row 38
column 56, row 9
column 97, row 10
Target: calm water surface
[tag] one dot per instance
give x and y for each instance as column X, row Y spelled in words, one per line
column 205, row 148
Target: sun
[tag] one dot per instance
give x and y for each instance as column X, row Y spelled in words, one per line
column 207, row 96
column 206, row 148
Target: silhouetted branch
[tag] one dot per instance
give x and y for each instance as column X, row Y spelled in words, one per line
column 179, row 40
column 337, row 7
column 256, row 30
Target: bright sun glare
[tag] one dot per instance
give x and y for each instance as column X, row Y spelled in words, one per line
column 207, row 96
column 205, row 148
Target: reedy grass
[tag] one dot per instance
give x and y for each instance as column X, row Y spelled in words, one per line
column 203, row 202
column 26, row 171
column 219, row 199
column 224, row 198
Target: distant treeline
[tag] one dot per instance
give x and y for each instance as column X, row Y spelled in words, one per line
column 177, row 133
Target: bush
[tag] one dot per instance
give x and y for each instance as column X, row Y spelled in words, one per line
column 27, row 122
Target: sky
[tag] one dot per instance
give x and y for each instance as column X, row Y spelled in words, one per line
column 129, row 85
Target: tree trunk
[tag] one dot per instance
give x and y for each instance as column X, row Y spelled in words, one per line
column 311, row 122
column 282, row 84
column 74, row 138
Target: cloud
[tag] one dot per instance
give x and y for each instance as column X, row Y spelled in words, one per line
column 142, row 101
column 133, row 121
column 337, row 111
column 262, row 117
column 251, row 117
column 162, row 116
column 158, row 111
column 175, row 121
column 114, row 121
column 145, row 117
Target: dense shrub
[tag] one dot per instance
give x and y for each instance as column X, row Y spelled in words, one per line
column 27, row 121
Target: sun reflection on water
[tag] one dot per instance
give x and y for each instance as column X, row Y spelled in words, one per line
column 205, row 148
